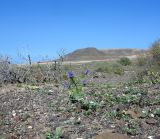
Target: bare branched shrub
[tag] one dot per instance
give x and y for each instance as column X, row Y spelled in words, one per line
column 29, row 72
column 12, row 73
column 5, row 68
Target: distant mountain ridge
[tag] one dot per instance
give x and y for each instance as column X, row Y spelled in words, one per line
column 85, row 54
column 92, row 53
column 122, row 52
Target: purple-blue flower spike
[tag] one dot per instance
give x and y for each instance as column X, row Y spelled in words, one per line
column 87, row 72
column 70, row 74
column 84, row 82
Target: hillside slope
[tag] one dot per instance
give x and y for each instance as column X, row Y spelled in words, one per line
column 95, row 54
column 115, row 53
column 85, row 54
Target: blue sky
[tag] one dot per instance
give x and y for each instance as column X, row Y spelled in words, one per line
column 43, row 27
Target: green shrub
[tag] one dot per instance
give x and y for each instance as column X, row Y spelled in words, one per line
column 125, row 61
column 141, row 59
column 132, row 127
column 157, row 111
column 155, row 52
column 99, row 69
column 117, row 69
column 106, row 67
column 111, row 68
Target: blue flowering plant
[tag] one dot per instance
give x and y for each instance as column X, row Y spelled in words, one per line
column 87, row 72
column 75, row 85
column 76, row 92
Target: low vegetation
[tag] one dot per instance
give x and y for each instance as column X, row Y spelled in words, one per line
column 112, row 68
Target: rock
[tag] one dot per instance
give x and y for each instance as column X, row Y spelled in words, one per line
column 152, row 115
column 108, row 131
column 150, row 137
column 108, row 135
column 144, row 125
column 74, row 136
column 133, row 114
column 24, row 116
column 120, row 107
column 13, row 113
column 20, row 111
column 151, row 121
column 14, row 137
column 46, row 129
column 29, row 127
column 112, row 126
column 157, row 137
column 120, row 122
column 95, row 76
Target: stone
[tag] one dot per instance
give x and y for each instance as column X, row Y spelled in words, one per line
column 144, row 125
column 108, row 135
column 150, row 137
column 151, row 121
column 29, row 127
column 133, row 114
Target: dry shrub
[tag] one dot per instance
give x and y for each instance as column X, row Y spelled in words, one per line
column 29, row 73
column 142, row 59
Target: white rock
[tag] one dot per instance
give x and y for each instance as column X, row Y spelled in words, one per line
column 150, row 137
column 20, row 111
column 113, row 126
column 13, row 111
column 14, row 114
column 72, row 118
column 50, row 91
column 29, row 127
column 143, row 111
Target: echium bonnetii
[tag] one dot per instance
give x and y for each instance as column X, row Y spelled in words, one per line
column 76, row 84
column 76, row 93
column 84, row 82
column 70, row 75
column 87, row 72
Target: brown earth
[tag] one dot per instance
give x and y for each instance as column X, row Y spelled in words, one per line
column 30, row 112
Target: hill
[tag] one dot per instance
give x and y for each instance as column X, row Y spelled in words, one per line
column 96, row 54
column 85, row 54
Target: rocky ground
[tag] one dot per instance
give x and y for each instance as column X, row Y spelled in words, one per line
column 44, row 111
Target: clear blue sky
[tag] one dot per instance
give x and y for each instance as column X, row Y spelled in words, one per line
column 42, row 27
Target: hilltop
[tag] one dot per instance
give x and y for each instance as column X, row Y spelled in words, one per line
column 85, row 54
